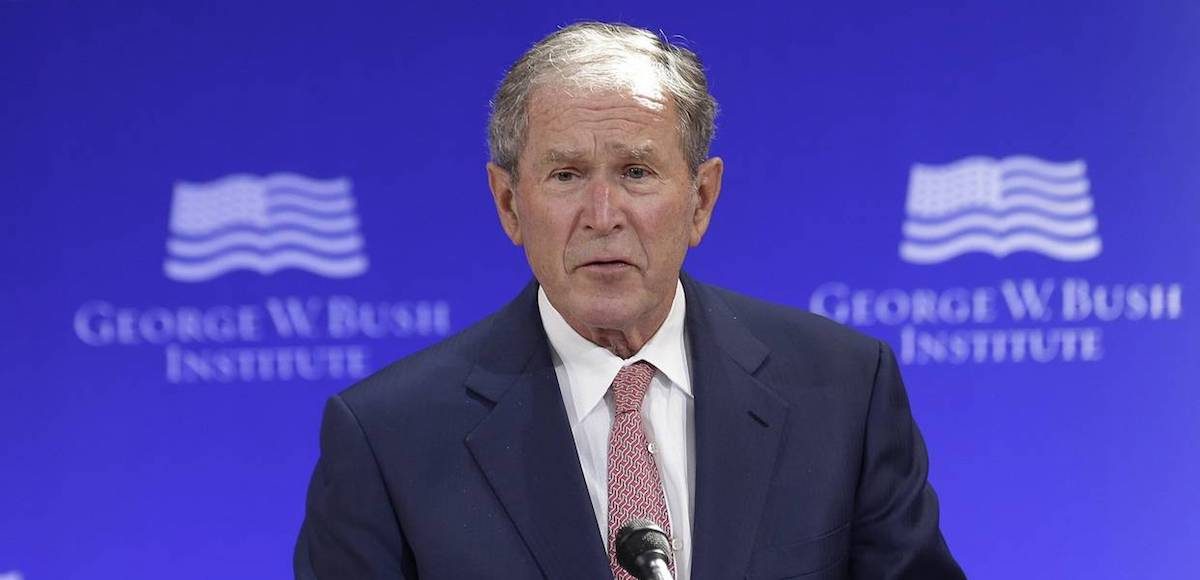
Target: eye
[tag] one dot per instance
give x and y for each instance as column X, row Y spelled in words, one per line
column 637, row 172
column 563, row 176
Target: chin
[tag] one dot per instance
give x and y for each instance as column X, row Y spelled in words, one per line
column 610, row 313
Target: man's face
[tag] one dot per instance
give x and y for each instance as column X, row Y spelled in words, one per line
column 605, row 205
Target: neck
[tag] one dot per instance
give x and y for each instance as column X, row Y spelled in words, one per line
column 623, row 342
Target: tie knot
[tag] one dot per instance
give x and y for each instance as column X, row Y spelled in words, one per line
column 630, row 386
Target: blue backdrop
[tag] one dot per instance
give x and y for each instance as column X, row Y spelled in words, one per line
column 217, row 215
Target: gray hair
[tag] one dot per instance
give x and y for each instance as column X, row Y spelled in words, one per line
column 599, row 55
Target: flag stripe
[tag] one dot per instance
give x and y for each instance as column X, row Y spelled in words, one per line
column 256, row 229
column 1026, row 164
column 1057, row 189
column 277, row 181
column 285, row 218
column 269, row 264
column 264, row 241
column 1021, row 201
column 310, row 203
column 1010, row 192
column 1082, row 226
column 346, row 223
column 318, row 194
column 276, row 209
column 265, row 253
column 1000, row 246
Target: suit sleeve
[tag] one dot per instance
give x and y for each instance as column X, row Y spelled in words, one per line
column 896, row 533
column 350, row 526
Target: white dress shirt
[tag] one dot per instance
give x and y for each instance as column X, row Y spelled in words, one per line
column 586, row 370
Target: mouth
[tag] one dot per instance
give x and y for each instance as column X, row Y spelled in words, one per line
column 605, row 266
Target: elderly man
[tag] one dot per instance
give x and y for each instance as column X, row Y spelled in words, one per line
column 765, row 441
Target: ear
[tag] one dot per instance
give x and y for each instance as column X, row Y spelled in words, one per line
column 504, row 193
column 708, row 189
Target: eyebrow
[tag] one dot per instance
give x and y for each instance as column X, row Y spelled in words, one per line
column 638, row 152
column 643, row 151
column 560, row 155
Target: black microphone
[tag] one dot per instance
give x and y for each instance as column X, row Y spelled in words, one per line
column 643, row 550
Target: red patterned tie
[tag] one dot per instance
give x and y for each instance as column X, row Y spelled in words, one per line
column 634, row 487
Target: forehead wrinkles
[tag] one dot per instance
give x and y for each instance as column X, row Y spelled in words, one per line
column 561, row 123
column 548, row 107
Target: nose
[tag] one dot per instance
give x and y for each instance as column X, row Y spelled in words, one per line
column 601, row 213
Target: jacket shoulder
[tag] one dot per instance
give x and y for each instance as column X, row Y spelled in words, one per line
column 770, row 318
column 419, row 380
column 802, row 341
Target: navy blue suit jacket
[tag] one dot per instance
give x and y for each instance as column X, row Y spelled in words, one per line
column 458, row 461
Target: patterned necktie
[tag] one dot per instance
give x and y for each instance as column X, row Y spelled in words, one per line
column 634, row 487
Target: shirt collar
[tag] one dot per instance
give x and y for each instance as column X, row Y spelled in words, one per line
column 591, row 368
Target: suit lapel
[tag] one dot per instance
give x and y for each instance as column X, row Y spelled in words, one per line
column 738, row 427
column 525, row 448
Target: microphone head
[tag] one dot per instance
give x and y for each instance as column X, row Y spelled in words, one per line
column 637, row 538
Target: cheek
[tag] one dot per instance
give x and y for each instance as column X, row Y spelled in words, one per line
column 545, row 231
column 667, row 234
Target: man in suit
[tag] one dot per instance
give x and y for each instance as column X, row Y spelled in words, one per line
column 767, row 442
